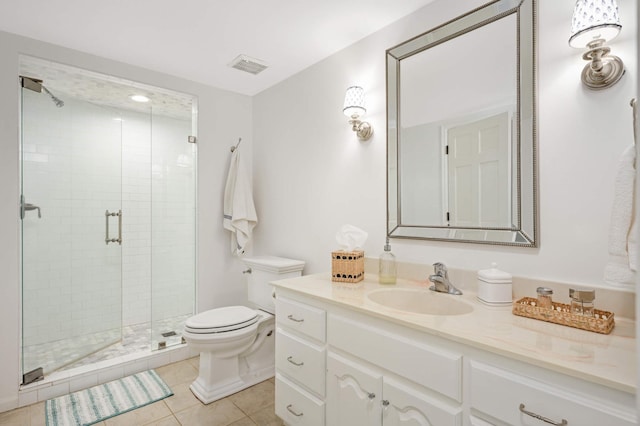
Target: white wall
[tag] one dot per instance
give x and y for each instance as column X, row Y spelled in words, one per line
column 312, row 175
column 421, row 157
column 224, row 116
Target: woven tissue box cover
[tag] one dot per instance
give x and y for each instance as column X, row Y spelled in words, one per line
column 347, row 266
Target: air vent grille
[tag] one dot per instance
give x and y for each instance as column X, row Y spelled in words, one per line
column 247, row 64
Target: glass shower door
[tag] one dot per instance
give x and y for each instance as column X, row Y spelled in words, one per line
column 173, row 223
column 71, row 245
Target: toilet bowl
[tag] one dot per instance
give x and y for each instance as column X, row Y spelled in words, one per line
column 237, row 343
column 231, row 329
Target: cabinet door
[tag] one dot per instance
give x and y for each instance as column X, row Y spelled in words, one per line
column 405, row 405
column 353, row 393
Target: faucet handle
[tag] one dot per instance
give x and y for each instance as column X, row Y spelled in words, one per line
column 439, row 268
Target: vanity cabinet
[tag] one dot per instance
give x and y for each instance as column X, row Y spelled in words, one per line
column 339, row 366
column 300, row 360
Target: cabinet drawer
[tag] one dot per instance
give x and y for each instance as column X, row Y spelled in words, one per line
column 302, row 318
column 301, row 361
column 296, row 406
column 431, row 367
column 500, row 393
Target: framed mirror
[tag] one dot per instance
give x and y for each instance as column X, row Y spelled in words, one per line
column 461, row 129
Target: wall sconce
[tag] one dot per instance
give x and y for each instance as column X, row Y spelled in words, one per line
column 354, row 109
column 595, row 23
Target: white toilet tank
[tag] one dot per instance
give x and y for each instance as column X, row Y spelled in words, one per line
column 265, row 269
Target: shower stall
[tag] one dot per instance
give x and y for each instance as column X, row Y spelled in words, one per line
column 108, row 213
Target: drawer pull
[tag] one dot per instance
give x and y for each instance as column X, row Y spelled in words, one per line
column 292, row 411
column 292, row 318
column 539, row 417
column 371, row 395
column 297, row 364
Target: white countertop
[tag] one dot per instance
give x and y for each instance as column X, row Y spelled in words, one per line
column 609, row 360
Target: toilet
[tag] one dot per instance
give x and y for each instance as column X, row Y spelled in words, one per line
column 237, row 343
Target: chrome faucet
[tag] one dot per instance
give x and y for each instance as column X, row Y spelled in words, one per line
column 440, row 280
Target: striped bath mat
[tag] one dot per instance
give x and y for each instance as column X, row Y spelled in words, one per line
column 101, row 402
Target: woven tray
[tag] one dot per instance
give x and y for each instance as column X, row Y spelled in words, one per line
column 602, row 321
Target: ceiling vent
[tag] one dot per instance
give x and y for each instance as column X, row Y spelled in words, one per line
column 247, row 64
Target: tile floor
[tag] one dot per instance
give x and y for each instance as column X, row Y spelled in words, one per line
column 250, row 407
column 72, row 352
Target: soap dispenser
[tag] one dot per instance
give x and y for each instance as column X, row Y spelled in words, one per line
column 387, row 266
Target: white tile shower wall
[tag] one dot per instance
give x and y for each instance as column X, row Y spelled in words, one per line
column 136, row 206
column 60, row 295
column 95, row 187
column 158, row 195
column 173, row 219
column 40, row 281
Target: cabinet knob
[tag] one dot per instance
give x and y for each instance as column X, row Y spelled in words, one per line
column 385, row 403
column 371, row 395
column 292, row 411
column 539, row 417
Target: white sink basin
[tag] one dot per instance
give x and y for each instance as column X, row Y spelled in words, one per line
column 418, row 301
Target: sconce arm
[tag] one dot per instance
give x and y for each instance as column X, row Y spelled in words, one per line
column 363, row 129
column 604, row 70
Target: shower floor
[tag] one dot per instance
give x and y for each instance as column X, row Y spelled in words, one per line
column 65, row 354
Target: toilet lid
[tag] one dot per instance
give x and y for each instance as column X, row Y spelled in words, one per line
column 222, row 319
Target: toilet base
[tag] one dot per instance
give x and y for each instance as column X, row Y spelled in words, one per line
column 220, row 377
column 212, row 387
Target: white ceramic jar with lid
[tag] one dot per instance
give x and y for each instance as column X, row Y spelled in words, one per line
column 495, row 286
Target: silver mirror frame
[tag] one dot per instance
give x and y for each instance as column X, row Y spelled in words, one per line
column 524, row 232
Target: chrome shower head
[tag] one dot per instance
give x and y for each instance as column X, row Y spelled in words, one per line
column 59, row 103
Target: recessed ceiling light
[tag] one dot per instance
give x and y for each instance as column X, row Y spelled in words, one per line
column 139, row 98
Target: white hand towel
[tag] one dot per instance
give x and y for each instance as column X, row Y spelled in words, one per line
column 239, row 211
column 620, row 270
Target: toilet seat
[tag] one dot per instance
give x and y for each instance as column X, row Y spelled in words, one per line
column 222, row 320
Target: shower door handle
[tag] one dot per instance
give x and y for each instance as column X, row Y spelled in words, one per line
column 108, row 240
